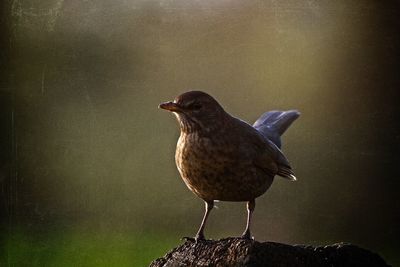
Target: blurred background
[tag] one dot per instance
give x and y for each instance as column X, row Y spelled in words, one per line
column 87, row 168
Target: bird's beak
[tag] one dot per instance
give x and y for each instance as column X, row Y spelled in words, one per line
column 170, row 106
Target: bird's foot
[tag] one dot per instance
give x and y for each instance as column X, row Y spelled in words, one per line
column 188, row 238
column 195, row 239
column 247, row 235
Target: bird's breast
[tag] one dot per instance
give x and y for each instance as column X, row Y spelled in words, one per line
column 199, row 165
column 194, row 155
column 214, row 168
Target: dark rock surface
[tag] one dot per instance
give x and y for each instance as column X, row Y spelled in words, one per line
column 240, row 252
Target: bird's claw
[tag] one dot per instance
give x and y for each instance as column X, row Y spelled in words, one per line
column 187, row 238
column 247, row 236
column 195, row 239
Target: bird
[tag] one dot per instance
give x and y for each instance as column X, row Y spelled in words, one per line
column 223, row 158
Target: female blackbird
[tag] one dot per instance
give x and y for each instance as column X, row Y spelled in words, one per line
column 223, row 158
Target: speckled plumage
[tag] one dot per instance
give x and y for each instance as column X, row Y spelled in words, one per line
column 221, row 157
column 220, row 165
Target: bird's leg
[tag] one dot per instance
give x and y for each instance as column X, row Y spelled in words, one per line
column 250, row 208
column 200, row 234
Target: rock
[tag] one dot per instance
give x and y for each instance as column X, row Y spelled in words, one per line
column 240, row 252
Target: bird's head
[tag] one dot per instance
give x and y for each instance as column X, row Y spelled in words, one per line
column 195, row 111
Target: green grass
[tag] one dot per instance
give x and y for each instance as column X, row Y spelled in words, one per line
column 84, row 249
column 70, row 248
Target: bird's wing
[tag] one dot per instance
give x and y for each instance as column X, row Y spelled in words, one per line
column 265, row 154
column 272, row 160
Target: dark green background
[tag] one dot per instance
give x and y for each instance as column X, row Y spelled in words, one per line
column 87, row 170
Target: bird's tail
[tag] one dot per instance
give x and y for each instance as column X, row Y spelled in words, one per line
column 273, row 124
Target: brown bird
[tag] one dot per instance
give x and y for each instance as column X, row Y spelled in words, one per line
column 224, row 158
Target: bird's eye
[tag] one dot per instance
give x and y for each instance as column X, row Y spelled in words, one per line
column 196, row 106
